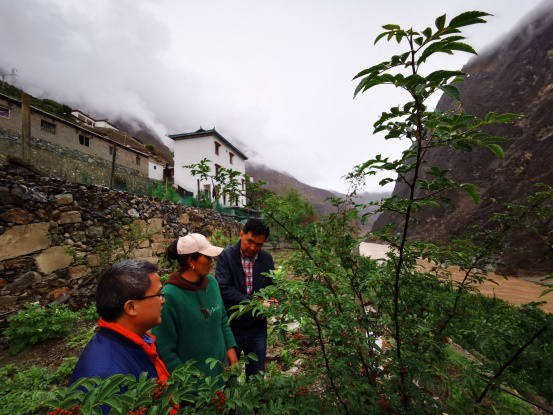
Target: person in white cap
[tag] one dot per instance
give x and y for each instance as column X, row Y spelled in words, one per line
column 194, row 321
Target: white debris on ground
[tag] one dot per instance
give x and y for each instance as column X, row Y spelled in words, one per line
column 375, row 251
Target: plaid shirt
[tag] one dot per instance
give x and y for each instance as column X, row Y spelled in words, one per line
column 247, row 264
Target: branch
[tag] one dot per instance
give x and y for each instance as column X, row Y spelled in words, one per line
column 510, row 361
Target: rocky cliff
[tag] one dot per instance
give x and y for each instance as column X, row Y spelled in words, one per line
column 516, row 77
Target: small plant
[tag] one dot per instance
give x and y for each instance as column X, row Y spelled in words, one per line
column 165, row 192
column 81, row 338
column 89, row 314
column 35, row 323
column 164, row 277
column 23, row 392
column 86, row 178
column 218, row 238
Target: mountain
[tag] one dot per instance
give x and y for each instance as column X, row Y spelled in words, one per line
column 516, row 77
column 278, row 182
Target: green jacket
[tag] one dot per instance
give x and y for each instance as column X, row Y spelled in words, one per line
column 184, row 332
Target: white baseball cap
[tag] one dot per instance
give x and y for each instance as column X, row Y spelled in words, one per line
column 196, row 242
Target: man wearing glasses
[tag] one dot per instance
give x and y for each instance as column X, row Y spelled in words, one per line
column 239, row 272
column 129, row 301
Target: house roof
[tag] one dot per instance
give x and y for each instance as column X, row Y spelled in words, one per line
column 206, row 133
column 77, row 126
column 94, row 119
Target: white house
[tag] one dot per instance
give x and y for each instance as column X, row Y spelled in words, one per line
column 191, row 148
column 155, row 169
column 91, row 122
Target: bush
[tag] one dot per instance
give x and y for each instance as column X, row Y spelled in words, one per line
column 35, row 323
column 220, row 239
column 168, row 192
column 24, row 391
column 90, row 314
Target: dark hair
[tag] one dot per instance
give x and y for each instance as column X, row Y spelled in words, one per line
column 256, row 227
column 123, row 281
column 172, row 254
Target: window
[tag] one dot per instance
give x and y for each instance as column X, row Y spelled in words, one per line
column 217, row 168
column 217, row 145
column 155, row 167
column 137, row 161
column 230, row 157
column 111, row 150
column 4, row 112
column 84, row 141
column 48, row 127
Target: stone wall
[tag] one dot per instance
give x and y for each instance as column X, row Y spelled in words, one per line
column 56, row 237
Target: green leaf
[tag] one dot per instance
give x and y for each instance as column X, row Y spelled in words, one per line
column 462, row 47
column 442, row 75
column 431, row 203
column 507, row 117
column 468, row 18
column 472, row 192
column 252, row 356
column 452, row 91
column 441, row 46
column 498, row 151
column 547, row 291
column 440, row 22
column 488, row 140
column 462, row 146
column 114, row 402
column 380, row 36
column 391, row 27
column 282, row 336
column 374, row 68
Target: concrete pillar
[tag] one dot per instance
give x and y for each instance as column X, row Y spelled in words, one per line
column 26, row 127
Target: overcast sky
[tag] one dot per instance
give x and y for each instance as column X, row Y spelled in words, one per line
column 275, row 75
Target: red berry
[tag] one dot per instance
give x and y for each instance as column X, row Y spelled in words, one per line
column 384, row 404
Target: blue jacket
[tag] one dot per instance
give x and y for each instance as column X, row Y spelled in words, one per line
column 232, row 282
column 109, row 353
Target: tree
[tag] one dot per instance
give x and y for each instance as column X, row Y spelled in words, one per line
column 224, row 181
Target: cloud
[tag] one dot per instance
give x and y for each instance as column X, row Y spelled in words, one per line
column 275, row 76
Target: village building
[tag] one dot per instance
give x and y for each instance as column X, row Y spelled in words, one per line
column 155, row 163
column 69, row 150
column 155, row 168
column 81, row 117
column 191, row 148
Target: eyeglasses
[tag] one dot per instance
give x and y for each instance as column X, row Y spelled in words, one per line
column 160, row 295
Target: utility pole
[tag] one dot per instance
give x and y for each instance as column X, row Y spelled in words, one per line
column 13, row 76
column 112, row 167
column 26, row 127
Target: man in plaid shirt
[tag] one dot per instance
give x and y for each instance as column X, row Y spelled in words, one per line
column 239, row 273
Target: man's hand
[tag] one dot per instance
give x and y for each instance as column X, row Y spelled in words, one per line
column 272, row 301
column 231, row 356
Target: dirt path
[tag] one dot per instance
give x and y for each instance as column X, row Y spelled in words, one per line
column 513, row 290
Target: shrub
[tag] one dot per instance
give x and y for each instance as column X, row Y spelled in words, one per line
column 35, row 323
column 89, row 313
column 24, row 391
column 168, row 192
